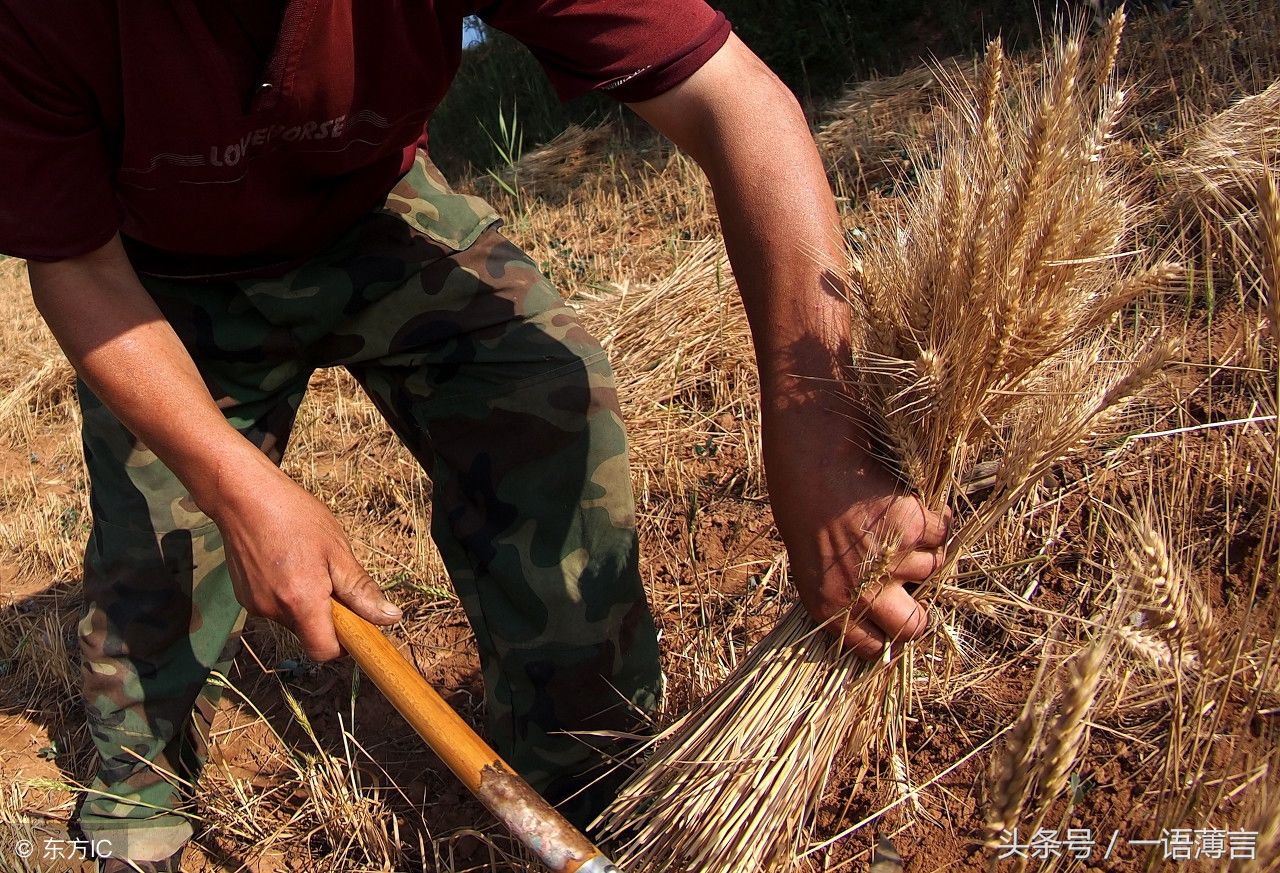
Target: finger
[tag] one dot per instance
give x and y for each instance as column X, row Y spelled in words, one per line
column 918, row 565
column 859, row 635
column 935, row 530
column 897, row 615
column 863, row 638
column 315, row 631
column 353, row 587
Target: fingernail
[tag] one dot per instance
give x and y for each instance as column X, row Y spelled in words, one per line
column 389, row 609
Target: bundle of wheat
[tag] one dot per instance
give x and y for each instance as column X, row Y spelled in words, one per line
column 1215, row 182
column 1195, row 59
column 869, row 132
column 983, row 309
column 884, row 131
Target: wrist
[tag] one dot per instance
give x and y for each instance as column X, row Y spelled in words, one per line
column 230, row 476
column 811, row 368
column 825, row 406
column 815, row 430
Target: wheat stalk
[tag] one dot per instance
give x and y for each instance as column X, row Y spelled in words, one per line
column 1269, row 210
column 1067, row 736
column 1180, row 616
column 1220, row 180
column 1011, row 776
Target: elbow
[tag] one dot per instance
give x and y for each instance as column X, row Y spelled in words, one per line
column 101, row 264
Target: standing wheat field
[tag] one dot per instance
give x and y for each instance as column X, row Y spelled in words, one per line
column 1064, row 266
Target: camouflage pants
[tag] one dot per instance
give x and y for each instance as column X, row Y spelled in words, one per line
column 506, row 402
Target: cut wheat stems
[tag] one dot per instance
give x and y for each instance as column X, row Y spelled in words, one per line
column 984, row 312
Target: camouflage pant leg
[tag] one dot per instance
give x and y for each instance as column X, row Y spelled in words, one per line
column 489, row 378
column 511, row 405
column 160, row 612
column 494, row 386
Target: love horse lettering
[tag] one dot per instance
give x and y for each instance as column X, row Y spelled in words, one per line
column 232, row 154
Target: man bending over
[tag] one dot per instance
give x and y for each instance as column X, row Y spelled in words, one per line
column 217, row 197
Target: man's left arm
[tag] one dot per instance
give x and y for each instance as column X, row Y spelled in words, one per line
column 833, row 503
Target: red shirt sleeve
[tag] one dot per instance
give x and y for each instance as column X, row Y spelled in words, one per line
column 58, row 202
column 629, row 49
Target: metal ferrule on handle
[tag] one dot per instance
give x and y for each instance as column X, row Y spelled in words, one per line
column 531, row 820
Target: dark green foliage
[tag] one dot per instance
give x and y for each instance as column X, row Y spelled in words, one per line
column 816, row 46
column 500, row 77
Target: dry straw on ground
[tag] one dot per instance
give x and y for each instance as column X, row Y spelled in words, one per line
column 709, row 369
column 984, row 311
column 554, row 170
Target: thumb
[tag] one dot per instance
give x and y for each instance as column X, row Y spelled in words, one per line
column 358, row 592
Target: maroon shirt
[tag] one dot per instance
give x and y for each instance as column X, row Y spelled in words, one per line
column 228, row 137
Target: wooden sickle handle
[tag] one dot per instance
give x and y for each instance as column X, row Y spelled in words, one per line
column 529, row 817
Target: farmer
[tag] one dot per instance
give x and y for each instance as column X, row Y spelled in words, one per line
column 218, row 197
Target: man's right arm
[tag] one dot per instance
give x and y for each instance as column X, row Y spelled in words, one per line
column 121, row 345
column 286, row 552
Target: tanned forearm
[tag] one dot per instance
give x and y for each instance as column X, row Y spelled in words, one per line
column 778, row 216
column 116, row 338
column 835, row 506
